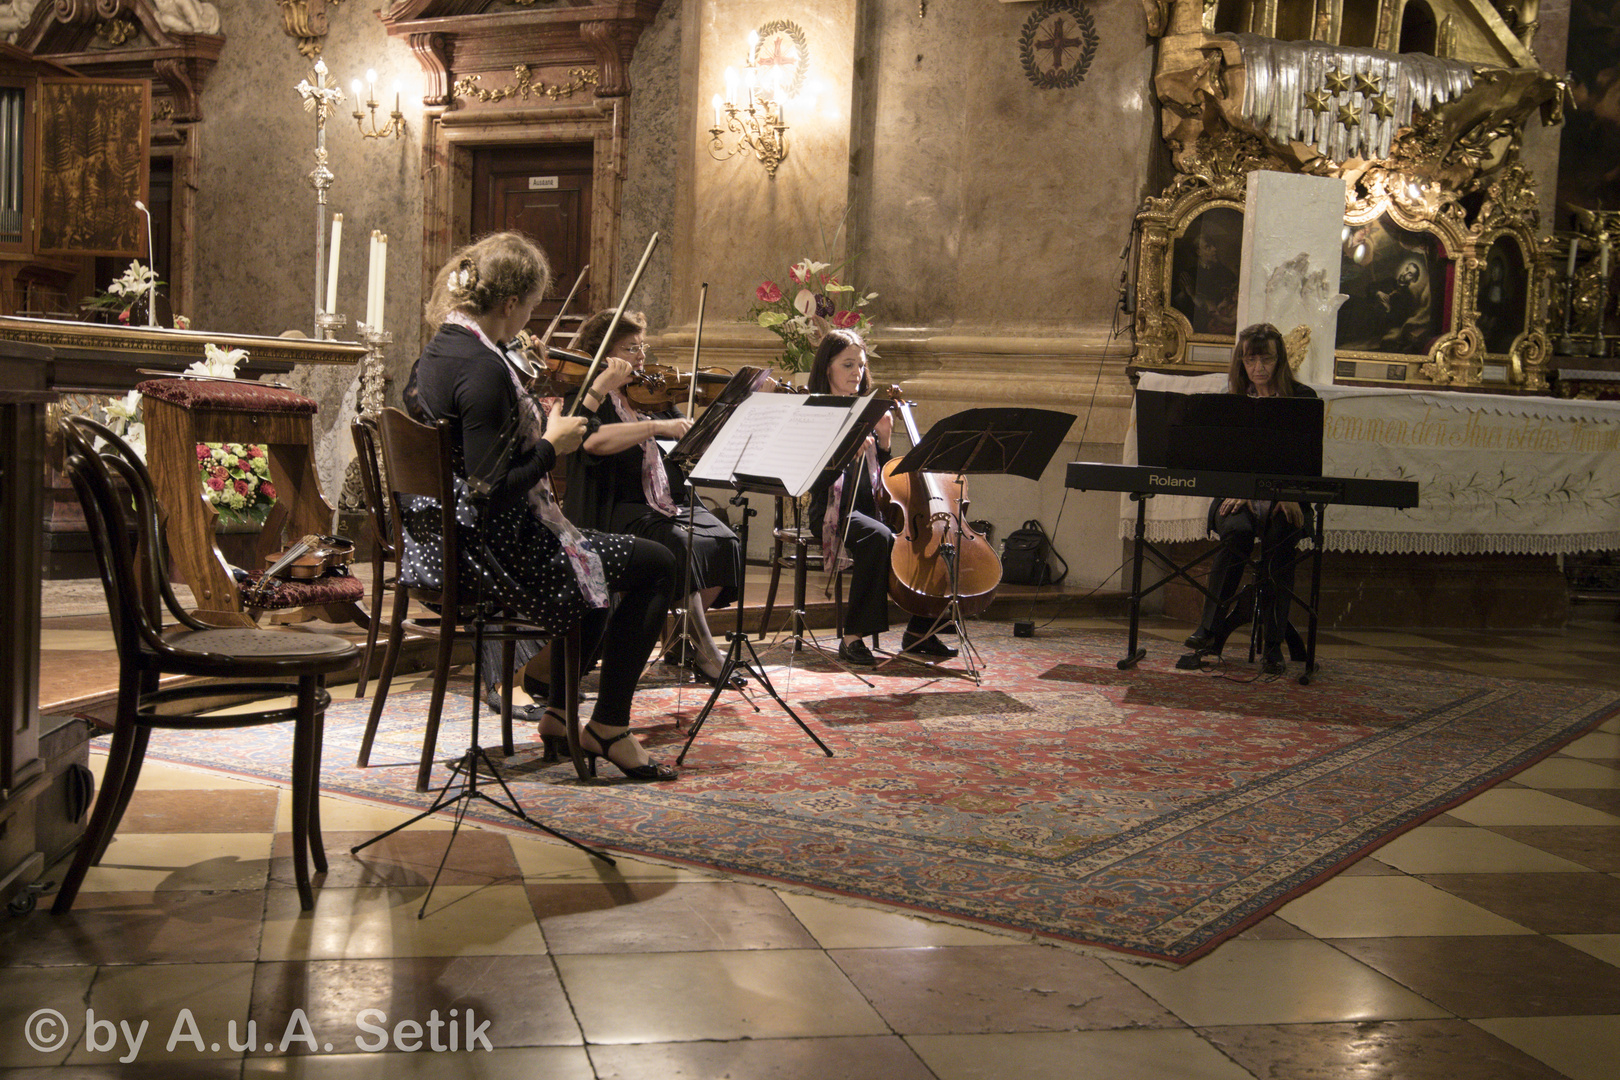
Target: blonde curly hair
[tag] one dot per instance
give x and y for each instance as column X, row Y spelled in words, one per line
column 486, row 272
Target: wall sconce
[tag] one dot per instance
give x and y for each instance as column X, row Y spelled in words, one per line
column 396, row 123
column 754, row 119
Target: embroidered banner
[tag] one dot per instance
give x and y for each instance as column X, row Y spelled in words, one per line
column 1496, row 474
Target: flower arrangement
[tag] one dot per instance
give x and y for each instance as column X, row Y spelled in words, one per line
column 820, row 302
column 134, row 285
column 236, row 481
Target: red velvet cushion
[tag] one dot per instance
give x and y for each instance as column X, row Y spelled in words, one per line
column 227, row 396
column 331, row 589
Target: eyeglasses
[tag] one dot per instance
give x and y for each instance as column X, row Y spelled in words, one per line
column 638, row 349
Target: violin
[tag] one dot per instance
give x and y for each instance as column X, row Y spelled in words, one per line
column 309, row 558
column 932, row 515
column 658, row 387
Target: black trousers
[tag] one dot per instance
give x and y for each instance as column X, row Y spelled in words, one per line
column 622, row 635
column 866, row 609
column 1279, row 547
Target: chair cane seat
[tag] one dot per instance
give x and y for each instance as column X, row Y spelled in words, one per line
column 244, row 644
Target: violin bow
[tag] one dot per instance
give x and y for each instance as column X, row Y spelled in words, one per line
column 545, row 339
column 697, row 343
column 601, row 350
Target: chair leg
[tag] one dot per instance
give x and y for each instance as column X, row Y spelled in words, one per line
column 801, row 585
column 317, row 844
column 396, row 638
column 375, row 617
column 770, row 593
column 441, row 679
column 571, row 645
column 99, row 830
column 303, row 770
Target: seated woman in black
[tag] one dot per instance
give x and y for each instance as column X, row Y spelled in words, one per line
column 534, row 563
column 1259, row 369
column 845, row 513
column 622, row 484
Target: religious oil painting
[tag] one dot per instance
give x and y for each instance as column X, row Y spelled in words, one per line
column 93, row 156
column 1589, row 165
column 1204, row 265
column 1399, row 286
column 1503, row 295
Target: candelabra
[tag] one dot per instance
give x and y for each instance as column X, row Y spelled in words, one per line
column 396, row 123
column 321, row 97
column 372, row 371
column 756, row 121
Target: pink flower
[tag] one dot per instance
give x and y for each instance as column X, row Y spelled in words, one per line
column 268, row 490
column 800, row 273
column 254, row 451
column 203, row 453
column 845, row 319
column 216, row 483
column 219, row 473
column 123, row 316
column 241, row 487
column 768, row 293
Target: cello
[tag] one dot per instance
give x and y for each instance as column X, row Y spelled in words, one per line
column 934, row 534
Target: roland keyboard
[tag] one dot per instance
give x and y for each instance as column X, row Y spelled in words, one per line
column 1149, row 480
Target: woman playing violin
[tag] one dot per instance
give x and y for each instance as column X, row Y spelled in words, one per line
column 621, row 483
column 533, row 562
column 845, row 512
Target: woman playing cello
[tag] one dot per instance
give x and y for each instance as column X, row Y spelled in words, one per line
column 845, row 512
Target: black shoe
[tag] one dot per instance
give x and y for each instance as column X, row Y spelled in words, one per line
column 653, row 770
column 855, row 652
column 737, row 681
column 1202, row 640
column 1273, row 663
column 536, row 689
column 929, row 646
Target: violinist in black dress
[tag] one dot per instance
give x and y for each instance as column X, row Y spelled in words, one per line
column 622, row 483
column 534, row 563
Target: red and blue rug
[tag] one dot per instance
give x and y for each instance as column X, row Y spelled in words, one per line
column 1155, row 812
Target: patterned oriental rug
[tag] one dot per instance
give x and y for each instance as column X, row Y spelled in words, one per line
column 1154, row 812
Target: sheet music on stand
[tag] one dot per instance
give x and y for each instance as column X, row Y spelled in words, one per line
column 781, row 444
column 691, row 446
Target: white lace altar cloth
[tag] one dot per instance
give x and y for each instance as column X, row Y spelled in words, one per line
column 1495, row 474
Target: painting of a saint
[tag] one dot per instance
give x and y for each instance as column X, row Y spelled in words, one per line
column 1502, row 301
column 1204, row 266
column 1398, row 284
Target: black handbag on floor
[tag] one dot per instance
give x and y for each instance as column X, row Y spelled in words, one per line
column 1026, row 556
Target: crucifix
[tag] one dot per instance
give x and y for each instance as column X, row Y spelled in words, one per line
column 321, row 98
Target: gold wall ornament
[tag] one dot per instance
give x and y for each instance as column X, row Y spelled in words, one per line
column 115, row 32
column 751, row 111
column 396, row 121
column 525, row 85
column 305, row 21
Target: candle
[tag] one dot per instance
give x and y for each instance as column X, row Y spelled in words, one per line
column 371, row 283
column 717, row 110
column 332, row 264
column 371, row 88
column 1574, row 250
column 382, row 278
column 1603, row 266
column 753, row 47
column 731, row 85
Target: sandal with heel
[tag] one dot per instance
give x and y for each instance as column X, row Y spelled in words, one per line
column 653, row 770
column 554, row 744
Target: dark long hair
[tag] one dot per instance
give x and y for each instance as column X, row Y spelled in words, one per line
column 1249, row 339
column 834, row 343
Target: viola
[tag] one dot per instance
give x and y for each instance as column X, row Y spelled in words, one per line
column 658, row 387
column 305, row 560
column 932, row 515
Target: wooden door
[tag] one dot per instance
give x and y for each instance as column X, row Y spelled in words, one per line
column 543, row 192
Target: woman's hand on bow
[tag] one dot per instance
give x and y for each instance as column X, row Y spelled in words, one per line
column 564, row 433
column 614, row 373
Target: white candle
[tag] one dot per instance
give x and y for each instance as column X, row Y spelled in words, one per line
column 1603, row 267
column 717, row 110
column 371, row 282
column 731, row 85
column 382, row 278
column 1574, row 250
column 332, row 264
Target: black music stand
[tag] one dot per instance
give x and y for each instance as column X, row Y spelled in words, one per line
column 1014, row 442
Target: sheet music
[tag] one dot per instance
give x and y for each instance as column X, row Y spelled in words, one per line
column 784, row 436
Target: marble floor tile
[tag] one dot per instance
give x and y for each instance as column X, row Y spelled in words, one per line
column 408, row 859
column 138, row 928
column 1595, row 847
column 1507, row 976
column 347, row 924
column 1605, row 947
column 684, row 997
column 548, row 861
column 996, row 988
column 198, row 810
column 1547, row 904
column 1384, row 1050
column 163, row 776
column 1567, row 772
column 34, row 1039
column 836, row 925
column 518, row 1063
column 1580, row 1047
column 1525, row 806
column 1066, row 1055
column 201, row 1069
column 166, row 1013
column 163, row 862
column 1278, row 982
column 1389, row 906
column 520, row 997
column 346, row 815
column 664, row 916
column 1460, row 851
column 1595, row 744
column 1369, row 867
column 1605, row 799
column 877, row 1057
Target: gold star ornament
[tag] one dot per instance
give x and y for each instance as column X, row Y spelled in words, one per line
column 1367, row 85
column 1317, row 101
column 1336, row 81
column 1382, row 105
column 1348, row 116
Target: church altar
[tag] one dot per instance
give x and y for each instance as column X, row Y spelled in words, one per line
column 1496, row 474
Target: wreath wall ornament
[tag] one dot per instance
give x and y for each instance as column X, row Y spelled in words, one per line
column 1052, row 58
column 770, row 53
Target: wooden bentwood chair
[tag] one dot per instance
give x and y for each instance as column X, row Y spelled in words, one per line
column 127, row 529
column 418, row 460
